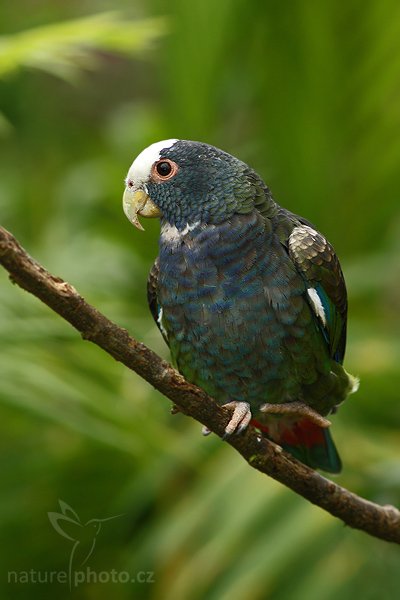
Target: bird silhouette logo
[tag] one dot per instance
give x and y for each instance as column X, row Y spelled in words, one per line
column 83, row 535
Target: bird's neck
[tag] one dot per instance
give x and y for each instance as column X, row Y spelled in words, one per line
column 213, row 241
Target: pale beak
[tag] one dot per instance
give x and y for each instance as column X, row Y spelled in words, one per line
column 137, row 202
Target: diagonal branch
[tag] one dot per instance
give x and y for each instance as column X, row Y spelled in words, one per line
column 380, row 521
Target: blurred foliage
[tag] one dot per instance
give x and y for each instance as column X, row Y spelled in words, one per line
column 308, row 95
column 64, row 48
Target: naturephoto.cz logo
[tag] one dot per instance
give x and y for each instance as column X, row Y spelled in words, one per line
column 83, row 538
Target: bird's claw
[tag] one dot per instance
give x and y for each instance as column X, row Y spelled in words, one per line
column 240, row 418
column 205, row 430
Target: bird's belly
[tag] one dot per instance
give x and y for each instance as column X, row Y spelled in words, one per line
column 228, row 337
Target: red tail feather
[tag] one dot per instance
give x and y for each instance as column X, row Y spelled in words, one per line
column 306, row 441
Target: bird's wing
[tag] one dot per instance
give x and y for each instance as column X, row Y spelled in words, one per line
column 318, row 264
column 152, row 297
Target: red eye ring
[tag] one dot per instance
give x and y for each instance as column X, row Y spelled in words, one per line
column 164, row 169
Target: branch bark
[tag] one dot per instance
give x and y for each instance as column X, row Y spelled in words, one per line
column 379, row 521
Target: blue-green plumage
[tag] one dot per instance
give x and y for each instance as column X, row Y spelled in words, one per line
column 250, row 297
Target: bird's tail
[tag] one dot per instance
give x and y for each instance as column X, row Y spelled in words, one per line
column 309, row 443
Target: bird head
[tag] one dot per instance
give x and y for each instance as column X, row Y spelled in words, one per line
column 187, row 183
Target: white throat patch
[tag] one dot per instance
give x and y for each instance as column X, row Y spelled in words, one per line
column 140, row 169
column 172, row 235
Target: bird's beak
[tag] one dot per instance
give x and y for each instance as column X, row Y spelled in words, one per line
column 137, row 202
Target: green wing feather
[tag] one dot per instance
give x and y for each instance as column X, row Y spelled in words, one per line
column 316, row 260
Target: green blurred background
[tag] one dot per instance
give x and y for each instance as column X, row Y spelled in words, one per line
column 308, row 94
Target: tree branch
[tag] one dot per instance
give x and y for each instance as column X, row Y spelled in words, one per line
column 379, row 521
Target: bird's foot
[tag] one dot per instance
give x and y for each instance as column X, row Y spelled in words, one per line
column 240, row 418
column 296, row 409
column 175, row 409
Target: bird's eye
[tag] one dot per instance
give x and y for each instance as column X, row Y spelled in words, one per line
column 165, row 169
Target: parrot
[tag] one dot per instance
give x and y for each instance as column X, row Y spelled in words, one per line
column 249, row 297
